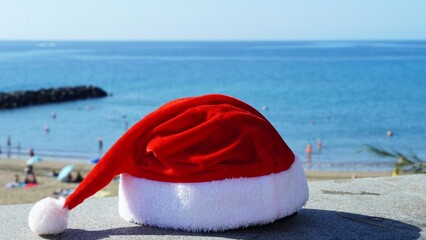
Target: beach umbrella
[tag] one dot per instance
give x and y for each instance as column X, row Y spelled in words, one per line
column 95, row 160
column 34, row 159
column 65, row 172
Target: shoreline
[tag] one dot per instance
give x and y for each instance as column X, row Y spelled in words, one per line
column 48, row 184
column 316, row 166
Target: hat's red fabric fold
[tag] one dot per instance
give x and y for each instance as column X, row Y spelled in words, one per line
column 198, row 139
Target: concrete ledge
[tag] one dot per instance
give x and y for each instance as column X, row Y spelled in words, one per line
column 371, row 208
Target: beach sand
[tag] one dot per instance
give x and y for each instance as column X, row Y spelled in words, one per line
column 48, row 184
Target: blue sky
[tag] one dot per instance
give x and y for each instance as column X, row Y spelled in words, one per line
column 212, row 20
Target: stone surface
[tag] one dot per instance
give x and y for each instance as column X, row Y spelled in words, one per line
column 371, row 208
column 49, row 95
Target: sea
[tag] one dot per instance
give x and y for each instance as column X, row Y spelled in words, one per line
column 345, row 94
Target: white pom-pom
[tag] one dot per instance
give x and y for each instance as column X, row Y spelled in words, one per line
column 48, row 216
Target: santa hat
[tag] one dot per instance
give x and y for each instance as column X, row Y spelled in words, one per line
column 207, row 163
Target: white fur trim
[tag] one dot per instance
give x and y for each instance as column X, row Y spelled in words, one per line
column 48, row 216
column 215, row 205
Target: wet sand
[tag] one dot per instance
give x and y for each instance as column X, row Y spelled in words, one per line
column 48, row 184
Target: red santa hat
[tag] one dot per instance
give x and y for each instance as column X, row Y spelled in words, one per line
column 207, row 163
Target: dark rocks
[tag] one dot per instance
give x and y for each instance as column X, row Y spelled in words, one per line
column 49, row 95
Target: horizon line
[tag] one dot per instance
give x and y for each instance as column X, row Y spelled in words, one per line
column 211, row 40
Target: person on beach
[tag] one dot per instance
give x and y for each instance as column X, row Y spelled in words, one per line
column 319, row 145
column 28, row 170
column 309, row 155
column 9, row 146
column 63, row 192
column 309, row 149
column 31, row 179
column 17, row 178
column 31, row 152
column 68, row 178
column 15, row 184
column 30, row 176
column 100, row 143
column 71, row 179
column 54, row 173
column 78, row 178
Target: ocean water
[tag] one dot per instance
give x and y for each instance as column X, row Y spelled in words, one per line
column 348, row 94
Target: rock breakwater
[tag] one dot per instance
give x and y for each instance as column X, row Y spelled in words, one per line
column 49, row 95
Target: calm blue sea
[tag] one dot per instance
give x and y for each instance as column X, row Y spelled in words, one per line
column 347, row 94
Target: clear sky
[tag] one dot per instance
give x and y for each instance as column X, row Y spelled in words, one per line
column 212, row 19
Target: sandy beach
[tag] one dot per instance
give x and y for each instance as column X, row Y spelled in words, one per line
column 47, row 184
